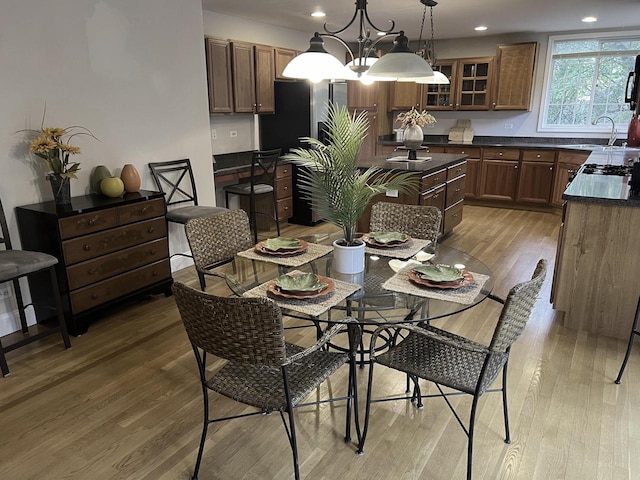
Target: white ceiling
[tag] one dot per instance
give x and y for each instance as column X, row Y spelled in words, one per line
column 452, row 18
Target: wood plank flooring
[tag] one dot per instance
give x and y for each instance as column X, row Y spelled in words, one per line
column 124, row 402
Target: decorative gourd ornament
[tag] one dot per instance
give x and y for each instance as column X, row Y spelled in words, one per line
column 112, row 187
column 97, row 175
column 131, row 178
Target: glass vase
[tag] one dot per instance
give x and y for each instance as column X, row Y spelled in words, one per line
column 413, row 137
column 61, row 187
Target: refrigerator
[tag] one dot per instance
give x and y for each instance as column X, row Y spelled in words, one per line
column 299, row 110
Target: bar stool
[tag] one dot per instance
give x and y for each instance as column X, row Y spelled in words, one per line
column 15, row 264
column 634, row 331
column 264, row 164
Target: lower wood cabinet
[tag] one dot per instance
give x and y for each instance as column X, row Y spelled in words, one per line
column 109, row 250
column 498, row 180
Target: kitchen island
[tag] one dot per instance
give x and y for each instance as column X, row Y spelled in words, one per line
column 441, row 183
column 595, row 280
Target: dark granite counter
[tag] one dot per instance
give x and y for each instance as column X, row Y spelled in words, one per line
column 604, row 189
column 426, row 163
column 229, row 163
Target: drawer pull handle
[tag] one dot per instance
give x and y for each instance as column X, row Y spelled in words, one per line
column 93, row 271
column 154, row 273
column 86, row 248
column 457, row 190
column 436, row 196
column 150, row 229
column 91, row 222
column 94, row 296
column 500, row 154
column 145, row 209
column 153, row 251
column 538, row 156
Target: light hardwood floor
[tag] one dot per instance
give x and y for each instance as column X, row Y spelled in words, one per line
column 125, row 403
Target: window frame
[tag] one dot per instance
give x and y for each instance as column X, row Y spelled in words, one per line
column 601, row 127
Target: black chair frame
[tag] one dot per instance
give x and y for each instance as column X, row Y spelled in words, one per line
column 634, row 332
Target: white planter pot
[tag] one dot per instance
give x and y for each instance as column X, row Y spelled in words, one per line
column 348, row 259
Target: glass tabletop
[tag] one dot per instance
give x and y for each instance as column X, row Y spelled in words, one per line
column 377, row 300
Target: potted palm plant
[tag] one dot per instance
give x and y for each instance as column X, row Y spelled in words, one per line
column 339, row 190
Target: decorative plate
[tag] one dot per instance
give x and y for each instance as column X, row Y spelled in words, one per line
column 328, row 287
column 303, row 283
column 282, row 252
column 438, row 273
column 467, row 279
column 386, row 239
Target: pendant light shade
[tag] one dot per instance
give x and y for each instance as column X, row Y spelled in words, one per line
column 315, row 64
column 400, row 62
column 438, row 78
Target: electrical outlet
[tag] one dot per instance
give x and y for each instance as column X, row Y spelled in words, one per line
column 214, row 134
column 233, row 133
column 508, row 126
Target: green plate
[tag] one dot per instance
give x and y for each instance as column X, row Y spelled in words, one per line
column 438, row 273
column 388, row 237
column 307, row 282
column 281, row 243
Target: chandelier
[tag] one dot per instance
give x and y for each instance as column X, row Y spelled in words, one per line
column 400, row 62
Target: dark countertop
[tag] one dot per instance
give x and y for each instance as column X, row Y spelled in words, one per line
column 431, row 163
column 604, row 189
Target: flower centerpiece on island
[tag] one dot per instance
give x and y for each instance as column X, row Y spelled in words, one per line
column 412, row 122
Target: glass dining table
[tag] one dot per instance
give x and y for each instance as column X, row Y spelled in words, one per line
column 383, row 293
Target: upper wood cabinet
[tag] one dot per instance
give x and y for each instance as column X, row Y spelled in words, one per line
column 404, row 96
column 361, row 96
column 282, row 56
column 218, row 54
column 473, row 86
column 514, row 76
column 441, row 97
column 265, row 75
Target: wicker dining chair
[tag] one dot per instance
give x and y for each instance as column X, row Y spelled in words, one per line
column 215, row 241
column 262, row 370
column 417, row 221
column 457, row 362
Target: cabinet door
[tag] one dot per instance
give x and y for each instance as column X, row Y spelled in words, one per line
column 243, row 78
column 564, row 172
column 514, row 76
column 282, row 56
column 535, row 182
column 368, row 148
column 473, row 178
column 361, row 96
column 404, row 96
column 474, row 83
column 218, row 56
column 441, row 97
column 498, row 180
column 265, row 75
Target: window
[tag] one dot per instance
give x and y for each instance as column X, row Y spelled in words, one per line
column 586, row 78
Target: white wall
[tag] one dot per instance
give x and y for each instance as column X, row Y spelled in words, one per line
column 133, row 72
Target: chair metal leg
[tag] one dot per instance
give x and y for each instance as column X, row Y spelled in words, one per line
column 507, row 434
column 291, row 431
column 4, row 367
column 367, row 412
column 61, row 321
column 472, row 424
column 203, row 282
column 634, row 332
column 20, row 303
column 203, row 437
column 252, row 217
column 275, row 210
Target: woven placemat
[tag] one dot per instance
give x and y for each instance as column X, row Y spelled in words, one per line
column 314, row 251
column 400, row 282
column 309, row 306
column 401, row 251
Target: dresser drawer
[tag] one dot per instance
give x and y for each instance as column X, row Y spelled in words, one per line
column 539, row 155
column 285, row 208
column 473, row 152
column 434, row 179
column 88, row 223
column 141, row 211
column 102, row 292
column 456, row 170
column 284, row 187
column 101, row 268
column 283, row 170
column 434, row 198
column 455, row 190
column 97, row 244
column 501, row 153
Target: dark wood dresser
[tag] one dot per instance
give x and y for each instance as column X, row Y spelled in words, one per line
column 110, row 250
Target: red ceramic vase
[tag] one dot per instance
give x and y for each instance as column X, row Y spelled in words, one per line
column 131, row 178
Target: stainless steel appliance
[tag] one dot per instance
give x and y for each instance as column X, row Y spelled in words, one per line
column 613, row 170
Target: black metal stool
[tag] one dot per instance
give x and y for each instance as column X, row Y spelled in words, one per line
column 634, row 331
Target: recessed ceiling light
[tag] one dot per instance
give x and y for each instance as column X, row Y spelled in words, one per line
column 589, row 19
column 381, row 34
column 318, row 14
column 480, row 28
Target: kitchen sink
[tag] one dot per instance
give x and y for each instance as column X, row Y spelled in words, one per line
column 599, row 148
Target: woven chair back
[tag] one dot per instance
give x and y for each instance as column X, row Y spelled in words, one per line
column 217, row 239
column 417, row 221
column 517, row 309
column 246, row 330
column 175, row 179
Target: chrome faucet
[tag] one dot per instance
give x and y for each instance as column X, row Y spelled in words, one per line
column 614, row 135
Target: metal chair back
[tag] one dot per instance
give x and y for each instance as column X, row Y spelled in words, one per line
column 175, row 179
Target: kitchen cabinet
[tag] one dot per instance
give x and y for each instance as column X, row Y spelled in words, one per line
column 361, row 96
column 472, row 169
column 514, row 76
column 404, row 96
column 441, row 97
column 370, row 143
column 109, row 250
column 253, row 75
column 282, row 56
column 499, row 174
column 568, row 164
column 218, row 56
column 536, row 176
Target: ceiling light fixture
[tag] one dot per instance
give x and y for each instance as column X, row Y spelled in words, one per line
column 400, row 62
column 589, row 19
column 428, row 52
column 480, row 28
